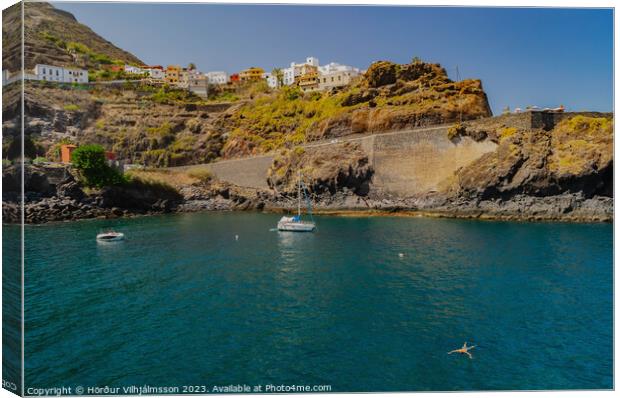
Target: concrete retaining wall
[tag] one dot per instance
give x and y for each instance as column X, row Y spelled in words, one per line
column 412, row 163
column 405, row 163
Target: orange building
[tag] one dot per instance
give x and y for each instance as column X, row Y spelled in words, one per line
column 234, row 78
column 173, row 74
column 252, row 74
column 114, row 68
column 65, row 152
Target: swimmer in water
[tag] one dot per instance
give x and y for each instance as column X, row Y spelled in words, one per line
column 463, row 350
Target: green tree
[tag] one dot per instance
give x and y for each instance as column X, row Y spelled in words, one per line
column 90, row 162
column 279, row 75
column 191, row 66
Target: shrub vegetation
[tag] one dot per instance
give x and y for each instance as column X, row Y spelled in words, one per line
column 91, row 164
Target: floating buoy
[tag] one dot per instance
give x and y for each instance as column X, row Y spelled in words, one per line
column 236, row 237
column 401, row 255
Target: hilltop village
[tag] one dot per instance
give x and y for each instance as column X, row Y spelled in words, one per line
column 308, row 76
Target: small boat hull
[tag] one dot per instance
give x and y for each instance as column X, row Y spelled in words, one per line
column 296, row 226
column 110, row 237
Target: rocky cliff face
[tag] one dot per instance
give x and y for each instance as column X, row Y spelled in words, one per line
column 47, row 32
column 575, row 157
column 326, row 170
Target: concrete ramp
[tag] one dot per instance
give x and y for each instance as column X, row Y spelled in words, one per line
column 247, row 172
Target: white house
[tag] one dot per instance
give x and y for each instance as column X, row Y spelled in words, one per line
column 185, row 75
column 60, row 74
column 330, row 75
column 76, row 75
column 134, row 69
column 50, row 73
column 334, row 79
column 217, row 77
column 336, row 75
column 156, row 73
column 198, row 84
column 294, row 70
column 272, row 81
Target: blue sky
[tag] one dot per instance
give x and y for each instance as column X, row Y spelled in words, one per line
column 524, row 56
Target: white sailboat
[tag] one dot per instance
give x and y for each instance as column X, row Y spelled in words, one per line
column 295, row 223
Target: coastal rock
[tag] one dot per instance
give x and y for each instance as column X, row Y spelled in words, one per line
column 543, row 163
column 325, row 170
column 70, row 188
column 139, row 197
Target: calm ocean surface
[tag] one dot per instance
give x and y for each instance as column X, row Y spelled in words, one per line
column 181, row 302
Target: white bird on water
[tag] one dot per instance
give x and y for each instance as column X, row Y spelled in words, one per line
column 401, row 255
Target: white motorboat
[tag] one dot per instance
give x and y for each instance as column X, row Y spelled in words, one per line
column 295, row 223
column 110, row 236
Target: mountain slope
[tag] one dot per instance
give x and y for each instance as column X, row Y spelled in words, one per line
column 53, row 36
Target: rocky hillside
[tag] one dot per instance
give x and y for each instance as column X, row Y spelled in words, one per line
column 55, row 37
column 162, row 126
column 388, row 97
column 142, row 124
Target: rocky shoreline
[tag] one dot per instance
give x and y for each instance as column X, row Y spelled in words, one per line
column 561, row 208
column 564, row 208
column 55, row 195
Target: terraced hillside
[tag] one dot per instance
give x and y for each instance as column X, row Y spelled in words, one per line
column 133, row 122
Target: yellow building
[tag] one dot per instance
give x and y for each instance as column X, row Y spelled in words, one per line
column 308, row 80
column 252, row 74
column 173, row 74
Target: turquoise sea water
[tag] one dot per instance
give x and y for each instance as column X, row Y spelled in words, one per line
column 181, row 302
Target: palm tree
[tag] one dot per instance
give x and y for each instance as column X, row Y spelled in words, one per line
column 191, row 66
column 279, row 75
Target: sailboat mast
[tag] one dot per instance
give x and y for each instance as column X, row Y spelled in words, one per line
column 299, row 193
